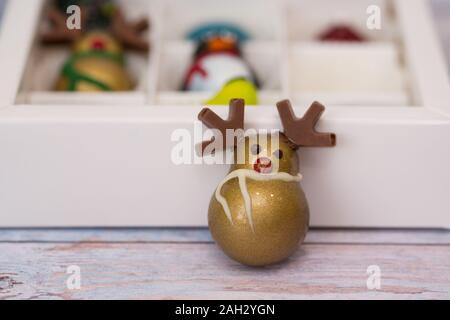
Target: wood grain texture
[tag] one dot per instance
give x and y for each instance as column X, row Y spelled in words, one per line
column 368, row 236
column 200, row 270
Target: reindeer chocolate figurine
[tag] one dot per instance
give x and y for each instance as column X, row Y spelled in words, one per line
column 259, row 214
column 97, row 62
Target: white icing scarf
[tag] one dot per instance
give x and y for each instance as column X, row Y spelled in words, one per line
column 242, row 174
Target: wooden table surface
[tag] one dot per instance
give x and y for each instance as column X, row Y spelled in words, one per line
column 185, row 264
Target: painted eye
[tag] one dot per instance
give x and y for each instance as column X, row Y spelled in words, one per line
column 278, row 154
column 256, row 149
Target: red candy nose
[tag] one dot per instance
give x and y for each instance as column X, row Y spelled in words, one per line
column 98, row 44
column 263, row 165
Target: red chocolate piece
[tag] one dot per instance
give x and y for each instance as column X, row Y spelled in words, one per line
column 341, row 33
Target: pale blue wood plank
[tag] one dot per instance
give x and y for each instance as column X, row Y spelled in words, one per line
column 106, row 235
column 374, row 236
column 200, row 270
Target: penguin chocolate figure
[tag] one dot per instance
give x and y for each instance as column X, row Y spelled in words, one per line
column 219, row 67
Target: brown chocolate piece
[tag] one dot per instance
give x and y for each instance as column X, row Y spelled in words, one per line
column 301, row 132
column 129, row 33
column 298, row 132
column 59, row 33
column 213, row 121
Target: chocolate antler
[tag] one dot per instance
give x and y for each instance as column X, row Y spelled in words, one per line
column 301, row 131
column 59, row 33
column 129, row 33
column 213, row 121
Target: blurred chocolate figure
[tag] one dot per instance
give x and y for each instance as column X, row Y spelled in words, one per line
column 97, row 62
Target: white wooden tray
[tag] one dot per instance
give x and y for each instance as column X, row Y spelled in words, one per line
column 70, row 159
